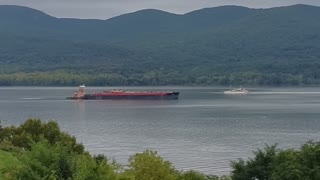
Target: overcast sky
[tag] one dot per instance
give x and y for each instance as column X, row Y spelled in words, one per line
column 104, row 9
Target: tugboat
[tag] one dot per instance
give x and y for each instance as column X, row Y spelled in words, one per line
column 121, row 94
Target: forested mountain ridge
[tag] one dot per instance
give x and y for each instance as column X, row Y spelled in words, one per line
column 221, row 45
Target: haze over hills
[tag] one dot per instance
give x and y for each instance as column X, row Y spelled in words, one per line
column 221, row 45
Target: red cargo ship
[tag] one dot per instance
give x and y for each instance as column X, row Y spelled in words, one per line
column 121, row 94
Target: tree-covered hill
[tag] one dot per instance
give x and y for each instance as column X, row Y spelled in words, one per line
column 221, row 45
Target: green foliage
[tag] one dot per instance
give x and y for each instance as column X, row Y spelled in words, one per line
column 287, row 166
column 303, row 164
column 45, row 161
column 148, row 165
column 257, row 168
column 7, row 161
column 277, row 164
column 33, row 131
column 310, row 160
column 44, row 152
column 86, row 167
column 193, row 175
column 38, row 163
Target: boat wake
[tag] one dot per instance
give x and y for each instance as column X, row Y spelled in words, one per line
column 32, row 98
column 41, row 98
column 285, row 92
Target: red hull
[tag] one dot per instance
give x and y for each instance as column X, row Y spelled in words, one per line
column 120, row 94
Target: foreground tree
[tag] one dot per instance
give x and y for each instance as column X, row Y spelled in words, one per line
column 276, row 164
column 45, row 152
column 33, row 131
column 148, row 165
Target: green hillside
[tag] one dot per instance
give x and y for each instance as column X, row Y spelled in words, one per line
column 223, row 45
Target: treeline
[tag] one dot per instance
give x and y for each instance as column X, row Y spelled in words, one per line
column 36, row 150
column 65, row 78
column 213, row 46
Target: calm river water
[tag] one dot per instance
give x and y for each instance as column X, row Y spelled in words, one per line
column 203, row 130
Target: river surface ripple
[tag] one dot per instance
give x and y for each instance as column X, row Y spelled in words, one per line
column 204, row 130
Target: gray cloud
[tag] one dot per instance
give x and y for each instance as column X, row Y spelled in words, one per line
column 103, row 9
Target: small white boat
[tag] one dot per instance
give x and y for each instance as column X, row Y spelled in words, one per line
column 237, row 91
